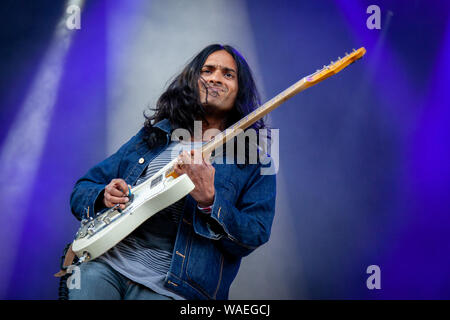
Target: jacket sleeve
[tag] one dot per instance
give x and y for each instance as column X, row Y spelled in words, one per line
column 88, row 190
column 242, row 227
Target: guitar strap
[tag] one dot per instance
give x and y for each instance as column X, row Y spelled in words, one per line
column 68, row 260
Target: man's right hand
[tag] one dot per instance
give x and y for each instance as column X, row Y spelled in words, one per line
column 116, row 192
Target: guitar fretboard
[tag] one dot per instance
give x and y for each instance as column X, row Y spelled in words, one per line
column 228, row 134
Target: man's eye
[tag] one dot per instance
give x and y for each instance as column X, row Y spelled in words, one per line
column 206, row 71
column 229, row 75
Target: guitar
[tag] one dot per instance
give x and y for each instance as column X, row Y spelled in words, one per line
column 99, row 234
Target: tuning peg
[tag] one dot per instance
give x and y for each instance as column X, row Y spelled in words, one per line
column 339, row 58
column 354, row 50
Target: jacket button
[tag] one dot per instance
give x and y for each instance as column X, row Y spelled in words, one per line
column 141, row 160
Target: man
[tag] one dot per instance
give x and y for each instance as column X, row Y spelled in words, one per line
column 193, row 248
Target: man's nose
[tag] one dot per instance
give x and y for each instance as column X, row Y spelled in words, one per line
column 215, row 78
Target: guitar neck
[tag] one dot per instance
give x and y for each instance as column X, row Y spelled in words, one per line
column 299, row 86
column 254, row 116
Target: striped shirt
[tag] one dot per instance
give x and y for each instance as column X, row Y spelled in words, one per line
column 145, row 255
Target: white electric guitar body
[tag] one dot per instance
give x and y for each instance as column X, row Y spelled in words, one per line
column 96, row 236
column 100, row 233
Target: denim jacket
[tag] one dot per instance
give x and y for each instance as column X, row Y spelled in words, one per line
column 208, row 247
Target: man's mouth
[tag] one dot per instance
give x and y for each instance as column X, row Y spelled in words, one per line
column 215, row 91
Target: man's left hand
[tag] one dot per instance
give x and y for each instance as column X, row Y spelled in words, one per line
column 201, row 172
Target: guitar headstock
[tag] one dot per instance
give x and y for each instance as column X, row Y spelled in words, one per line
column 336, row 66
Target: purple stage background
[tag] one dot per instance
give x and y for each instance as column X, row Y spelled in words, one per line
column 364, row 174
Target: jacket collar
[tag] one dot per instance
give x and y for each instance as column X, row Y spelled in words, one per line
column 164, row 125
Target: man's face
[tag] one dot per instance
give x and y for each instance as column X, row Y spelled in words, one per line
column 219, row 73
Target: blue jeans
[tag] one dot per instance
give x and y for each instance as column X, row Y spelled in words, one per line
column 98, row 281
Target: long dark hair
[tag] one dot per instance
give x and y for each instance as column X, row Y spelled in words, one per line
column 181, row 104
